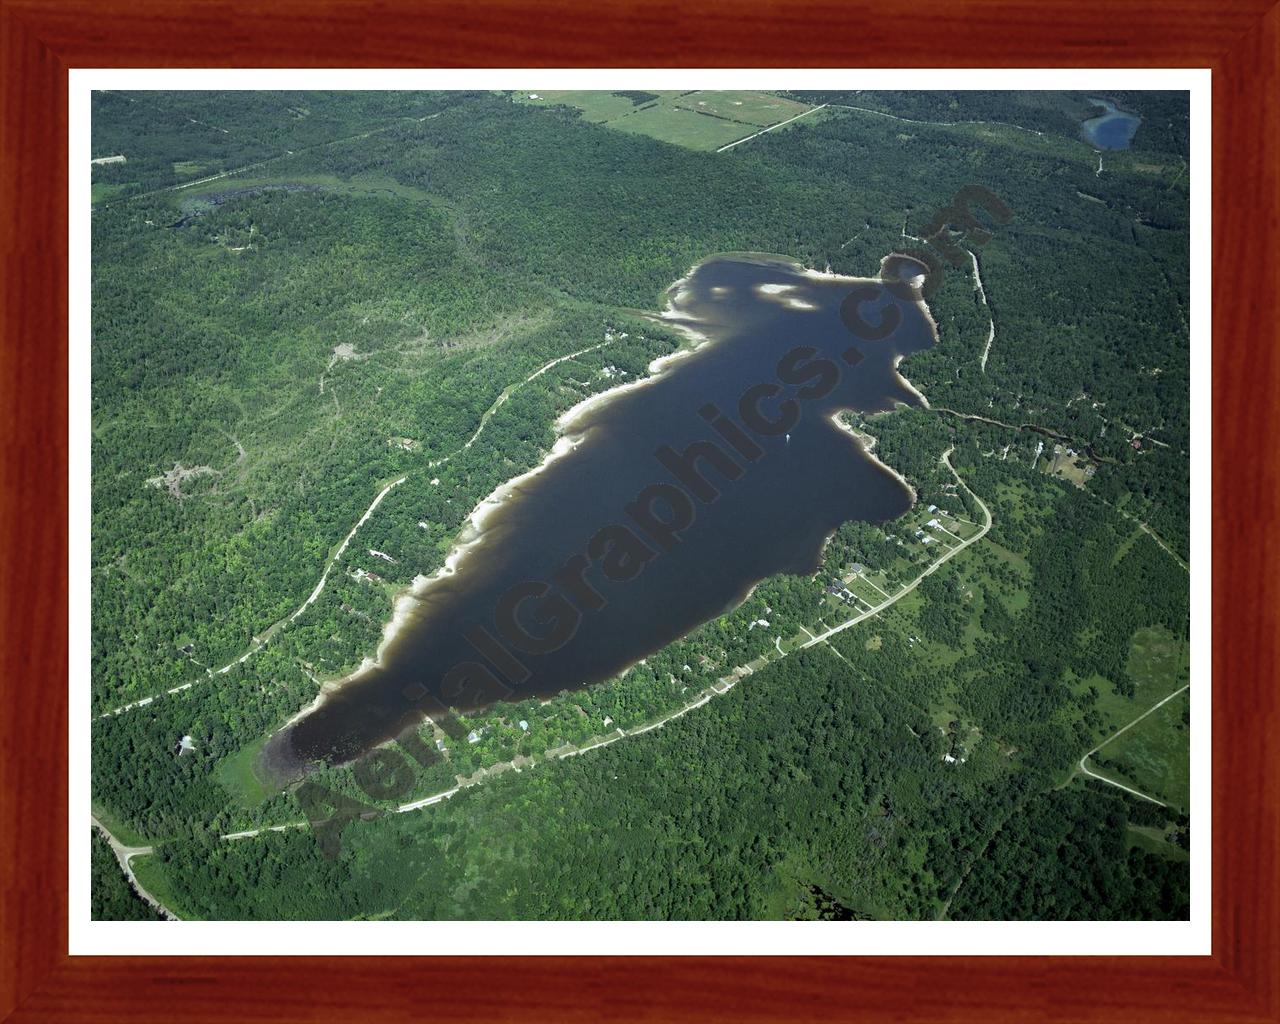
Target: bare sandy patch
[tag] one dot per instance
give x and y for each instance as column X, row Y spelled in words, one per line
column 342, row 353
column 173, row 479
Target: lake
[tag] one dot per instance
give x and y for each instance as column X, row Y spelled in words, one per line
column 1113, row 129
column 663, row 504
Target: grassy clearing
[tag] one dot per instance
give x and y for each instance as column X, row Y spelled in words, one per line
column 1066, row 465
column 122, row 832
column 236, row 775
column 1157, row 841
column 597, row 105
column 1128, row 542
column 702, row 120
column 151, row 877
column 757, row 108
column 103, row 191
column 681, row 127
column 363, row 185
column 1159, row 663
column 1155, row 755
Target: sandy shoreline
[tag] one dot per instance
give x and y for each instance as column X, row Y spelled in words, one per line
column 406, row 602
column 869, row 449
column 570, row 433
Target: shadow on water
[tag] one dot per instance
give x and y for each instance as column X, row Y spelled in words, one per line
column 1113, row 129
column 663, row 504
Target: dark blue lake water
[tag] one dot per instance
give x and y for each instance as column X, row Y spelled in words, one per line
column 572, row 575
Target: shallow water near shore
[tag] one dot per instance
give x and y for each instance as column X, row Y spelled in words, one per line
column 627, row 539
column 1113, row 129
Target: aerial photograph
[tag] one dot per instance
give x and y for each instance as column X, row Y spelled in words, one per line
column 640, row 505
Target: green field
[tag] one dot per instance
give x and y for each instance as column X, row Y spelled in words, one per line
column 702, row 120
column 756, row 108
column 1158, row 663
column 595, row 104
column 116, row 826
column 151, row 876
column 103, row 191
column 1158, row 841
column 1154, row 756
column 682, row 127
column 357, row 185
column 236, row 775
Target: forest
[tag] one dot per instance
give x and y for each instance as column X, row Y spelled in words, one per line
column 112, row 898
column 364, row 298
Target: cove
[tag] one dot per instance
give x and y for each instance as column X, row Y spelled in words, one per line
column 663, row 503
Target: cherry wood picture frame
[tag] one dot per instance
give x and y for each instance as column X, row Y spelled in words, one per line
column 41, row 39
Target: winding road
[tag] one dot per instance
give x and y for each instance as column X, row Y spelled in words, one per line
column 124, row 854
column 1102, row 778
column 937, row 124
column 261, row 641
column 951, row 553
column 982, row 294
column 717, row 689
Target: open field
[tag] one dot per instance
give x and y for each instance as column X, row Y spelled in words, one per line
column 359, row 185
column 236, row 775
column 595, row 104
column 1157, row 663
column 702, row 120
column 1067, row 465
column 188, row 168
column 151, row 876
column 681, row 127
column 116, row 826
column 756, row 108
column 103, row 191
column 1155, row 755
column 1158, row 841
